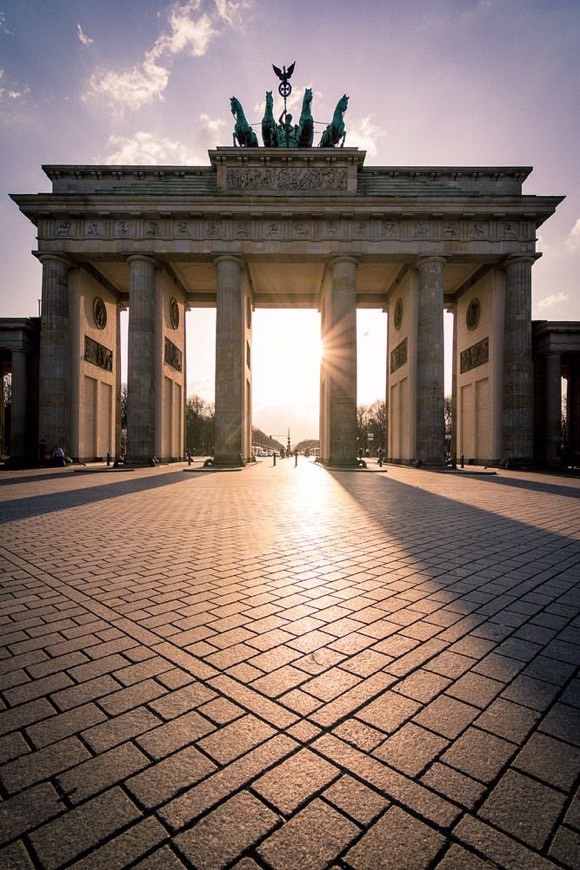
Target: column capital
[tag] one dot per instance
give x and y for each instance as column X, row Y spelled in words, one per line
column 229, row 258
column 143, row 258
column 343, row 259
column 515, row 259
column 55, row 258
column 428, row 260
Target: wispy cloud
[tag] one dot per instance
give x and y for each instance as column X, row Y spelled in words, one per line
column 86, row 40
column 17, row 92
column 573, row 240
column 144, row 148
column 553, row 300
column 3, row 27
column 191, row 31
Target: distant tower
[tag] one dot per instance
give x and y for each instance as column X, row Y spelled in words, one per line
column 288, row 448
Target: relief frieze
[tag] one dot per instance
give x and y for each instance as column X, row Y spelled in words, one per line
column 474, row 356
column 399, row 356
column 270, row 178
column 173, row 356
column 98, row 355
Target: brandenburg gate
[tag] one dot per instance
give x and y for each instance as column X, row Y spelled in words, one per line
column 303, row 227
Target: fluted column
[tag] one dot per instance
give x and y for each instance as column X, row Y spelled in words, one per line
column 430, row 364
column 54, row 357
column 18, row 409
column 141, row 362
column 340, row 352
column 553, row 407
column 517, row 369
column 229, row 369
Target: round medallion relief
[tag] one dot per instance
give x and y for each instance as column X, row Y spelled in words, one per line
column 472, row 314
column 174, row 312
column 99, row 313
column 398, row 313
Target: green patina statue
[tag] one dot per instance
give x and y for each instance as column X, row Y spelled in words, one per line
column 243, row 133
column 336, row 131
column 285, row 134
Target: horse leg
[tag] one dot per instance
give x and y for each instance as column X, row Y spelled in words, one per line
column 234, row 137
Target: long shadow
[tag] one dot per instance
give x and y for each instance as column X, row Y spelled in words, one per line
column 38, row 505
column 533, row 485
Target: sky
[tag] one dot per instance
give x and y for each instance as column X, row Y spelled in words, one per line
column 430, row 82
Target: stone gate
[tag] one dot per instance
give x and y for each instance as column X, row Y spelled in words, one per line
column 302, row 227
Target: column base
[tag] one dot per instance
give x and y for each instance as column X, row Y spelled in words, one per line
column 225, row 461
column 343, row 463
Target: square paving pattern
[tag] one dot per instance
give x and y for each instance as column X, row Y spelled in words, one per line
column 289, row 667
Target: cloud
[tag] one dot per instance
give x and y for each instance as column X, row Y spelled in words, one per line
column 553, row 300
column 212, row 125
column 191, row 31
column 144, row 148
column 231, row 11
column 363, row 133
column 3, row 27
column 131, row 89
column 573, row 240
column 86, row 40
column 14, row 93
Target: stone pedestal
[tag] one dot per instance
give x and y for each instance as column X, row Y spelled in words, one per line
column 141, row 367
column 518, row 373
column 430, row 377
column 54, row 362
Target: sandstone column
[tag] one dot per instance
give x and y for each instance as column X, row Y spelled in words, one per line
column 341, row 362
column 517, row 366
column 553, row 407
column 430, row 364
column 18, row 410
column 141, row 360
column 229, row 369
column 54, row 358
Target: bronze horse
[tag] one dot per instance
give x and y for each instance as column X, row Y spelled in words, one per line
column 336, row 131
column 244, row 136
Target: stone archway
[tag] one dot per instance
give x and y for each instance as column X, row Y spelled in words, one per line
column 306, row 228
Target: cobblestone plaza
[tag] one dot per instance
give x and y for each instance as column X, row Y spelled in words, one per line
column 287, row 667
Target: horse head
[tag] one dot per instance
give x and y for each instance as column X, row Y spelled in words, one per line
column 234, row 105
column 308, row 95
column 343, row 103
column 269, row 100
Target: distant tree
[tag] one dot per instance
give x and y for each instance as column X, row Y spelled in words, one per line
column 123, row 406
column 372, row 421
column 448, row 421
column 307, row 444
column 260, row 439
column 199, row 425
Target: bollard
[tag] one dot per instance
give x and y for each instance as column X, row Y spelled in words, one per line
column 188, row 457
column 108, row 458
column 274, row 458
column 462, row 461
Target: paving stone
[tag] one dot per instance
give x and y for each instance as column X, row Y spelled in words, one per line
column 42, row 764
column 508, row 720
column 28, row 810
column 479, row 754
column 411, row 843
column 236, row 738
column 411, row 749
column 453, row 785
column 565, row 847
column 550, row 760
column 162, row 859
column 532, row 693
column 389, row 711
column 161, row 781
column 446, row 716
column 295, row 780
column 82, row 828
column 119, row 728
column 563, row 722
column 523, row 807
column 312, row 839
column 174, row 735
column 97, row 774
column 226, row 832
column 356, row 800
column 223, row 783
column 64, row 725
column 16, row 857
column 12, row 746
column 422, row 685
